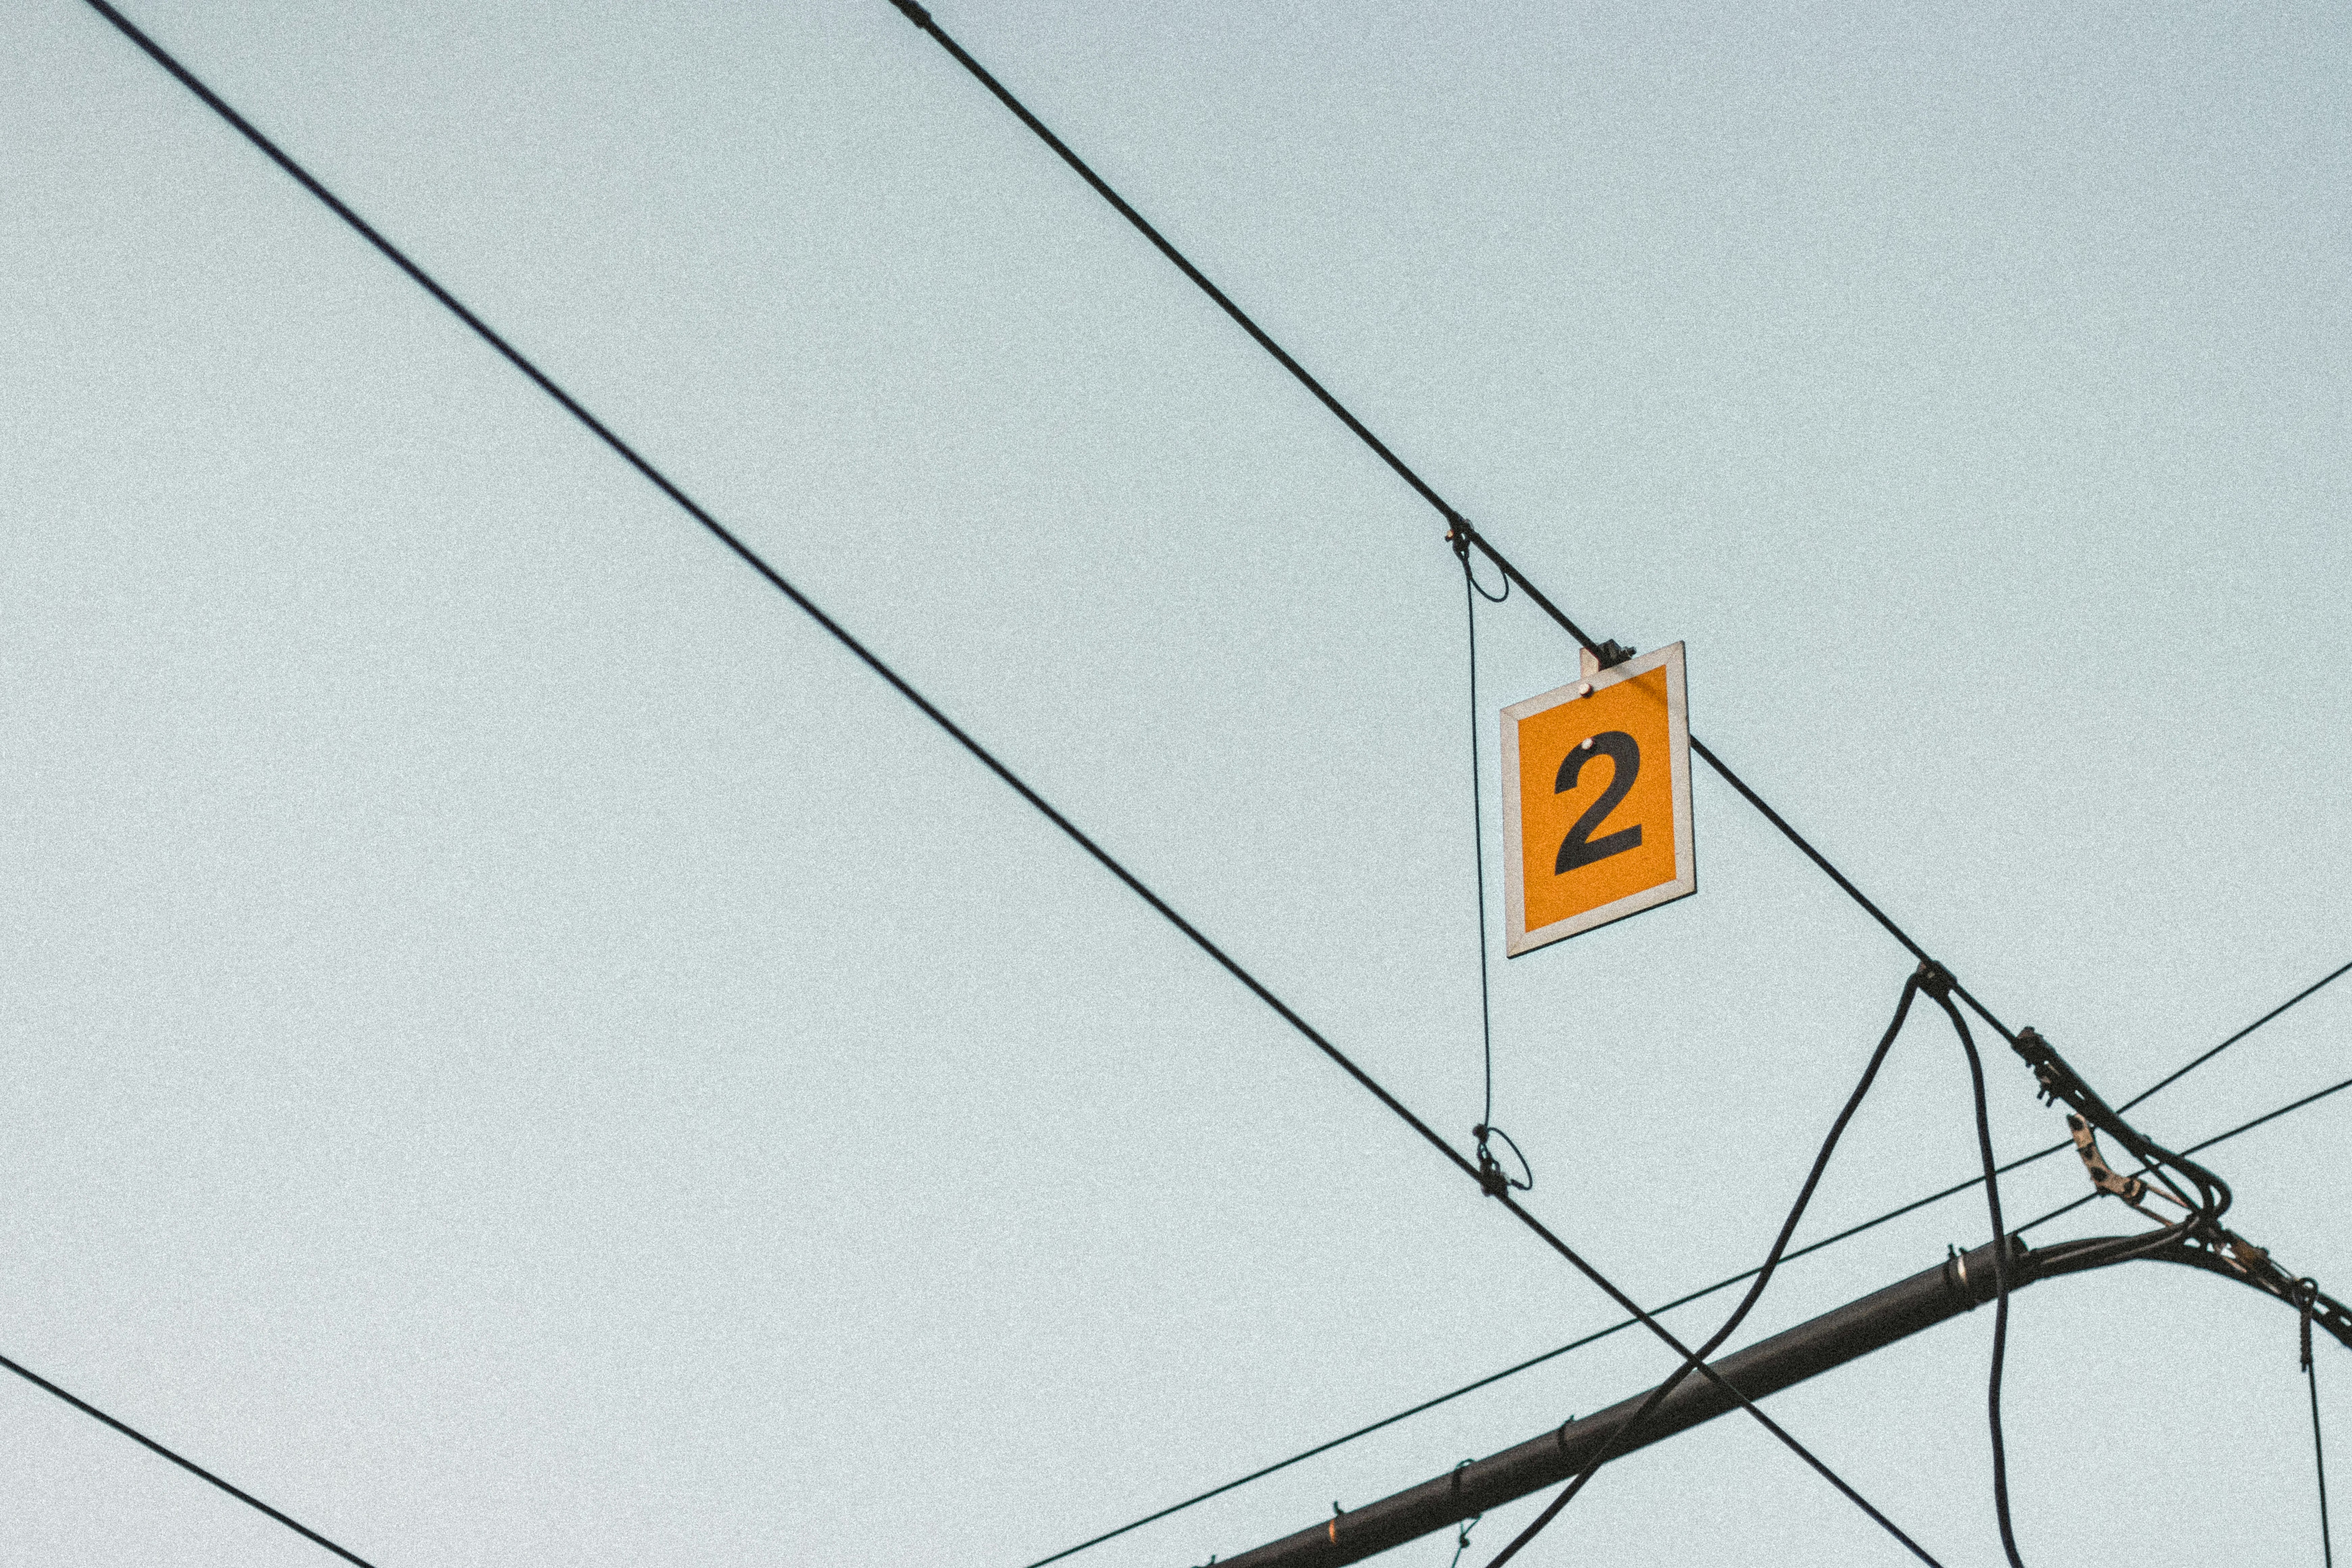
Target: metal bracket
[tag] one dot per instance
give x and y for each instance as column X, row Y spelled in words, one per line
column 2131, row 1189
column 1609, row 656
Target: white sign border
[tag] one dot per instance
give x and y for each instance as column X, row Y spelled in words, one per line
column 1516, row 938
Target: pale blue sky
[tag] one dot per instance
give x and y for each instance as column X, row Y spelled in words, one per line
column 522, row 1051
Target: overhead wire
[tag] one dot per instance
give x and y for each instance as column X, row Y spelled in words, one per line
column 1460, row 532
column 840, row 633
column 2310, row 1291
column 1723, row 1284
column 193, row 1469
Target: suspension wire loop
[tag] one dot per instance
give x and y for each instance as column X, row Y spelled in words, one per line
column 2000, row 1274
column 1491, row 1173
column 1478, row 853
column 1625, row 1432
column 898, row 683
column 2184, row 1070
column 136, row 1436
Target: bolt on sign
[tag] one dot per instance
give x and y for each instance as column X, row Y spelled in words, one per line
column 1596, row 801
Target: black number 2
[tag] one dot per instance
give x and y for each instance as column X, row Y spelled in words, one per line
column 1579, row 847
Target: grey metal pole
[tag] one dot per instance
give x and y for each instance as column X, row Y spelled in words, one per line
column 1960, row 1282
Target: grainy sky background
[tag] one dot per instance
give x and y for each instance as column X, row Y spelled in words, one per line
column 518, row 1050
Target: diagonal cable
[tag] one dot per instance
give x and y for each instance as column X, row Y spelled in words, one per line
column 136, row 1436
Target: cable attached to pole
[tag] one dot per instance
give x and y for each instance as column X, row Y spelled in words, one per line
column 1729, row 1281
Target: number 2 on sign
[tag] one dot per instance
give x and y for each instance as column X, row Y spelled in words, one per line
column 1579, row 847
column 1596, row 799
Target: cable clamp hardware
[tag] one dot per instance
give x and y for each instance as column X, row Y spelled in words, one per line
column 2131, row 1189
column 2057, row 1080
column 1934, row 980
column 2245, row 1257
column 1493, row 1179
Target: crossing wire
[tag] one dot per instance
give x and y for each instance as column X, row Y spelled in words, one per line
column 1727, row 1283
column 872, row 661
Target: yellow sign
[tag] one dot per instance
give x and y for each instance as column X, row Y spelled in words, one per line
column 1596, row 801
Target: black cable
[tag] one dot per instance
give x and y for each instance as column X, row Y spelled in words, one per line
column 1478, row 851
column 841, row 634
column 1458, row 527
column 1725, row 1284
column 2001, row 1279
column 136, row 1436
column 1625, row 1431
column 1490, row 1170
column 2309, row 1290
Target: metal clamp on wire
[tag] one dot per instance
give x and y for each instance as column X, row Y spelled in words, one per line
column 1493, row 1180
column 2050, row 1070
column 1934, row 980
column 2104, row 1176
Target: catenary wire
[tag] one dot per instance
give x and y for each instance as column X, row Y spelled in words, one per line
column 1721, row 1285
column 1012, row 780
column 1459, row 529
column 136, row 1436
column 2191, row 1066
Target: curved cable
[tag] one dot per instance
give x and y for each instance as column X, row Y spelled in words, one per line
column 1624, row 1432
column 2309, row 1289
column 2001, row 1272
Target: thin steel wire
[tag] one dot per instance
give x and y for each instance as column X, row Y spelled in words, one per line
column 2319, row 1454
column 1478, row 850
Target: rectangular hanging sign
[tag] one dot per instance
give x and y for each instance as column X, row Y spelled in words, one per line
column 1596, row 801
